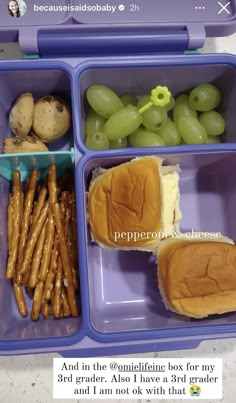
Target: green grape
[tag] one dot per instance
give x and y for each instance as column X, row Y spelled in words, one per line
column 154, row 118
column 143, row 101
column 182, row 108
column 119, row 143
column 127, row 99
column 94, row 123
column 191, row 130
column 204, row 98
column 97, row 141
column 169, row 134
column 213, row 122
column 182, row 142
column 181, row 99
column 170, row 104
column 123, row 123
column 213, row 139
column 103, row 100
column 145, row 138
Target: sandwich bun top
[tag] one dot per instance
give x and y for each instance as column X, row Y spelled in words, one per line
column 126, row 200
column 198, row 278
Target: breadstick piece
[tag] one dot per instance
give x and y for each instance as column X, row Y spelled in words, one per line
column 65, row 261
column 48, row 287
column 13, row 250
column 33, row 240
column 37, row 301
column 9, row 220
column 47, row 248
column 57, row 290
column 40, row 203
column 65, row 304
column 36, row 260
column 52, row 184
column 20, row 299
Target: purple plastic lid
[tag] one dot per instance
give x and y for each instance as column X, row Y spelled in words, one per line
column 109, row 17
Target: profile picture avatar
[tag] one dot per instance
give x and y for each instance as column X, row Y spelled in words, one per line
column 16, row 8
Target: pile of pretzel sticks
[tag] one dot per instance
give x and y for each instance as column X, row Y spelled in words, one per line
column 42, row 244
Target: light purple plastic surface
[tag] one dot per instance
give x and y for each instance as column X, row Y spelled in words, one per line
column 122, row 284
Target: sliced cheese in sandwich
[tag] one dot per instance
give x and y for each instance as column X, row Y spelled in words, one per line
column 134, row 205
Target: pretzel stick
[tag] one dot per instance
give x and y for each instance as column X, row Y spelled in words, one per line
column 27, row 180
column 9, row 220
column 45, row 310
column 37, row 301
column 28, row 205
column 33, row 240
column 65, row 304
column 36, row 260
column 20, row 299
column 64, row 201
column 67, row 225
column 57, row 290
column 22, row 199
column 66, row 180
column 65, row 260
column 25, row 222
column 39, row 204
column 74, row 248
column 47, row 248
column 13, row 250
column 48, row 287
column 52, row 184
column 52, row 296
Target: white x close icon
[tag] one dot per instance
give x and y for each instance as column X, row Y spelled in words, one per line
column 224, row 7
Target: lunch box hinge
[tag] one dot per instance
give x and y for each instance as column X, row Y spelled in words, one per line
column 80, row 44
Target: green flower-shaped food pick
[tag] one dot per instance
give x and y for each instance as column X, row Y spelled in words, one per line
column 160, row 96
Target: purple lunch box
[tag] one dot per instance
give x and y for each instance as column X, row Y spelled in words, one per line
column 131, row 47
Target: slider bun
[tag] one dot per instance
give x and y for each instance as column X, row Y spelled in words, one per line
column 197, row 278
column 128, row 199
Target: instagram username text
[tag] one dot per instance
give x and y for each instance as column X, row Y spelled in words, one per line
column 80, row 8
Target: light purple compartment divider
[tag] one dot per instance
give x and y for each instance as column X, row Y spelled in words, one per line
column 177, row 77
column 123, row 296
column 40, row 83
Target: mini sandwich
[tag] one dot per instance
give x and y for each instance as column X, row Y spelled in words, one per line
column 197, row 277
column 134, row 205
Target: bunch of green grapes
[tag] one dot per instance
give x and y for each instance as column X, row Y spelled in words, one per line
column 115, row 121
